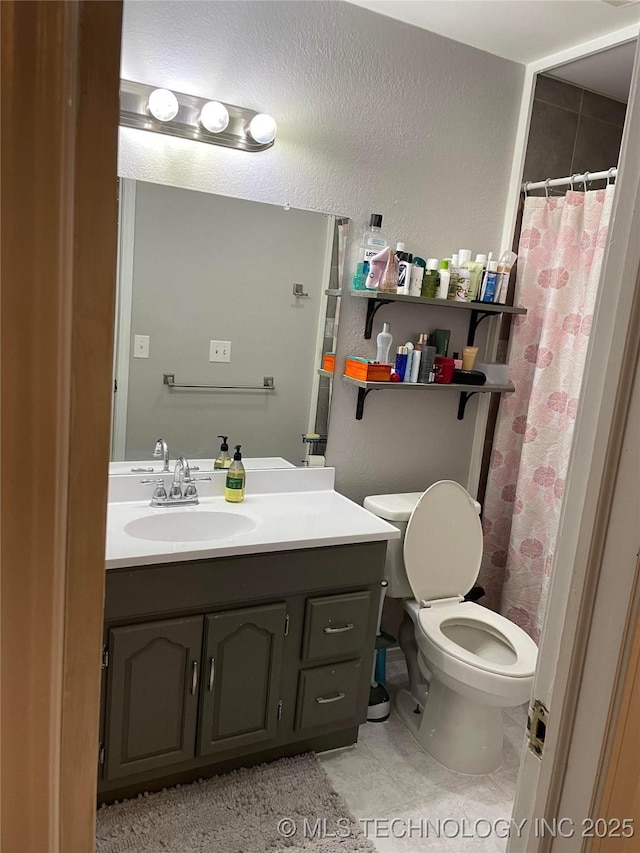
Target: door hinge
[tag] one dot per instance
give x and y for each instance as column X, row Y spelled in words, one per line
column 286, row 625
column 101, row 753
column 105, row 657
column 537, row 721
column 279, row 711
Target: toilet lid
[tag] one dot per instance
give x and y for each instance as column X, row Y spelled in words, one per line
column 443, row 543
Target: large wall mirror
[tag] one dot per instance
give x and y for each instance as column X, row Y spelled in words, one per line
column 197, row 268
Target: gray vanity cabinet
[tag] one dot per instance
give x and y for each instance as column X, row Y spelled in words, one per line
column 152, row 700
column 220, row 663
column 242, row 667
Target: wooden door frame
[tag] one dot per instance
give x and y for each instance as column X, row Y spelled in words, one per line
column 60, row 88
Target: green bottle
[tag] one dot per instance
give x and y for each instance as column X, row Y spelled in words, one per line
column 234, row 486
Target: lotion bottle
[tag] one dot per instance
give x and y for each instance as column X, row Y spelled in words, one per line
column 384, row 341
column 234, row 485
column 443, row 289
column 223, row 460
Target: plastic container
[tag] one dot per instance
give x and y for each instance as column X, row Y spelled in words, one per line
column 371, row 244
column 444, row 370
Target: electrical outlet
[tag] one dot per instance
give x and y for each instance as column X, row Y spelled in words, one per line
column 141, row 346
column 219, row 350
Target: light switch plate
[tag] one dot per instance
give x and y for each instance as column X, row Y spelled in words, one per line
column 219, row 350
column 141, row 346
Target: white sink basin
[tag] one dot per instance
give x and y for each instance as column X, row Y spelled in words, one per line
column 192, row 526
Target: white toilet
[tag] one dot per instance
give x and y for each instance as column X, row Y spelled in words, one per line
column 465, row 662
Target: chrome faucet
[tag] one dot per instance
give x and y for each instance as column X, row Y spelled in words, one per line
column 162, row 449
column 177, row 496
column 181, row 473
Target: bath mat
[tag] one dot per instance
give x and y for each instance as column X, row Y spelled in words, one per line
column 272, row 808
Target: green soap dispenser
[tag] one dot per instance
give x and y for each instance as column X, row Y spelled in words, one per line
column 234, row 486
column 223, row 460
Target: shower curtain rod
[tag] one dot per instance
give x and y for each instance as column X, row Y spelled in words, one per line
column 581, row 178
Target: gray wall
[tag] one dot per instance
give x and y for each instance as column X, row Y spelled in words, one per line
column 208, row 268
column 374, row 115
column 572, row 130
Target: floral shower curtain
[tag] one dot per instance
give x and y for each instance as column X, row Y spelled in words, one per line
column 559, row 263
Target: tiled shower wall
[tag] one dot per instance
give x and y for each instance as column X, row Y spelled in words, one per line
column 572, row 130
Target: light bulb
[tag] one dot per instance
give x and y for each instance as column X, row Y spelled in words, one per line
column 163, row 104
column 263, row 128
column 214, row 117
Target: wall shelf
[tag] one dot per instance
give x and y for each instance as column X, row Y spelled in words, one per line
column 465, row 391
column 479, row 310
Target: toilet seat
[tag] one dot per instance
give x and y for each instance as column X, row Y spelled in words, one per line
column 443, row 543
column 432, row 620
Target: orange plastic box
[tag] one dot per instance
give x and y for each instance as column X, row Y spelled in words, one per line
column 329, row 361
column 363, row 368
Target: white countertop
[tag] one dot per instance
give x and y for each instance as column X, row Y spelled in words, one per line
column 291, row 509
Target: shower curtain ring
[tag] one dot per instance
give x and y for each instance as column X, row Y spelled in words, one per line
column 546, row 187
column 584, row 180
column 610, row 175
column 526, row 189
column 572, row 180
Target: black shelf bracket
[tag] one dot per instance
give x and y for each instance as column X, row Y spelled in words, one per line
column 474, row 321
column 372, row 307
column 465, row 396
column 362, row 396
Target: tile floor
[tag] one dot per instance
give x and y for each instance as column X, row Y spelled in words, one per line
column 387, row 777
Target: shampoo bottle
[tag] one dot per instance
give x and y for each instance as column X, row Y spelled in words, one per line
column 223, row 460
column 384, row 341
column 234, row 486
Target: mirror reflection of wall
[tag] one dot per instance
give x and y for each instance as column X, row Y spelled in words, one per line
column 195, row 268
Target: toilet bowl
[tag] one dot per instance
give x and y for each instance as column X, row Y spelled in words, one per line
column 465, row 662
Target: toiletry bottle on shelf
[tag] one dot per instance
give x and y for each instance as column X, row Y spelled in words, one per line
column 389, row 282
column 417, row 276
column 476, row 271
column 491, row 282
column 234, row 485
column 372, row 242
column 384, row 341
column 405, row 261
column 457, row 361
column 505, row 264
column 431, row 279
column 445, row 276
column 407, row 368
column 401, row 361
column 223, row 460
column 454, row 263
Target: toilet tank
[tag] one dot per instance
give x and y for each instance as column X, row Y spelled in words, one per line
column 396, row 509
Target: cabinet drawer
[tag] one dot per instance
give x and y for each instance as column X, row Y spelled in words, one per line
column 328, row 694
column 335, row 625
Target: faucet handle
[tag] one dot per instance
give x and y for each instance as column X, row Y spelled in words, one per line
column 159, row 493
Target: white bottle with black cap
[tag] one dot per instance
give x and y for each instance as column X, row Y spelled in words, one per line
column 405, row 262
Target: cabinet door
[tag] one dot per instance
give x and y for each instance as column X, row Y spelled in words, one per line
column 152, row 697
column 241, row 677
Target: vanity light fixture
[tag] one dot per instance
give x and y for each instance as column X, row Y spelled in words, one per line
column 263, row 128
column 163, row 104
column 214, row 117
column 190, row 117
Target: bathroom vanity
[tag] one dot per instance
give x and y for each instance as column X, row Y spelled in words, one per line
column 242, row 649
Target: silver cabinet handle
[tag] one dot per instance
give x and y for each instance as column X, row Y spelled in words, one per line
column 194, row 678
column 321, row 700
column 212, row 673
column 344, row 628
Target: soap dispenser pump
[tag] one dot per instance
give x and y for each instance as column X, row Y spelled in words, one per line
column 223, row 460
column 234, row 485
